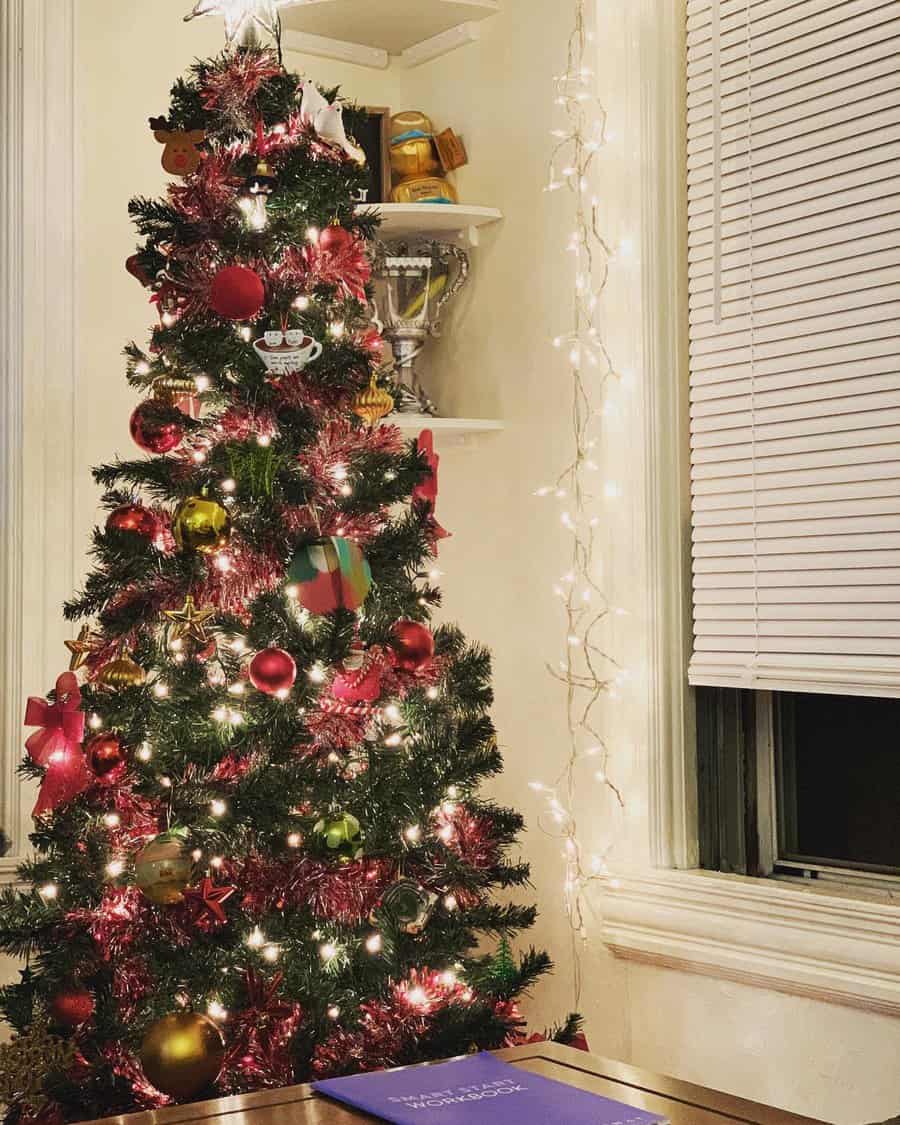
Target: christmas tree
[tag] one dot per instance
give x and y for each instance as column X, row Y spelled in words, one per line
column 260, row 856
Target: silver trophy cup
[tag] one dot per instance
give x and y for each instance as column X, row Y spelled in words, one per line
column 412, row 285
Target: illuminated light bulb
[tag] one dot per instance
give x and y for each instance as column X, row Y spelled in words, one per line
column 392, row 713
column 339, row 472
column 112, row 820
column 169, row 319
column 145, row 753
column 328, row 951
column 176, row 644
column 237, row 688
column 452, row 792
column 198, row 456
column 220, row 714
column 333, row 1012
column 49, row 891
column 448, row 808
column 417, row 996
column 216, row 862
column 142, row 367
column 292, row 591
column 312, row 234
column 316, row 674
column 165, row 782
column 336, row 329
column 256, row 939
column 432, row 692
column 228, row 485
column 390, row 475
column 374, row 943
column 202, row 383
column 160, row 690
column 271, row 953
column 334, row 757
column 467, row 995
column 448, row 978
column 197, row 855
column 115, row 868
column 216, row 1011
column 393, row 740
column 346, row 490
column 95, row 722
column 301, row 303
column 412, row 833
column 294, row 840
column 282, row 693
column 263, row 440
column 446, row 833
column 450, row 902
column 218, row 807
column 238, row 646
column 235, row 718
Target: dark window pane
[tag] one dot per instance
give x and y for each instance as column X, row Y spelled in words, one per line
column 839, row 772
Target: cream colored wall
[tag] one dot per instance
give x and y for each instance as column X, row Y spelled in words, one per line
column 828, row 1061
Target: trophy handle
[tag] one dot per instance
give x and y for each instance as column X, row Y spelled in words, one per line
column 448, row 250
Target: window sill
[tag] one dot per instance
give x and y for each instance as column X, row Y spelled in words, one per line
column 808, row 941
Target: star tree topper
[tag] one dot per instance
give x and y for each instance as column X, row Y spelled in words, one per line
column 241, row 16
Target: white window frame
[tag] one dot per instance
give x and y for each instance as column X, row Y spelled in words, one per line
column 825, row 942
column 39, row 562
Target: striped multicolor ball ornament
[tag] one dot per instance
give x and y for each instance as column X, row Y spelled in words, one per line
column 330, row 574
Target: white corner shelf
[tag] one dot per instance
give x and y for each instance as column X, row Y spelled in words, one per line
column 432, row 220
column 455, row 430
column 377, row 33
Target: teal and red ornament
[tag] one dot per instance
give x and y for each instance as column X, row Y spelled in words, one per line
column 329, row 574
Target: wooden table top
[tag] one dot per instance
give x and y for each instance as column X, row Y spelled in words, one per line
column 682, row 1102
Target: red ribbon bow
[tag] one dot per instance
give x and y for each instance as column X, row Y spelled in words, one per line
column 61, row 723
column 57, row 745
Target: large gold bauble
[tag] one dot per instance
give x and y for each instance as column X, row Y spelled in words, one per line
column 182, row 1054
column 373, row 403
column 162, row 868
column 121, row 673
column 200, row 524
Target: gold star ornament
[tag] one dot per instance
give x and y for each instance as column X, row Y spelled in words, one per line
column 83, row 645
column 241, row 16
column 189, row 622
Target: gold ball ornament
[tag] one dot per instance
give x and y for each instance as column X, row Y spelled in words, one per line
column 200, row 524
column 162, row 868
column 122, row 672
column 182, row 1054
column 372, row 404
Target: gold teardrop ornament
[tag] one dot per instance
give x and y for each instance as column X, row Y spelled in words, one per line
column 373, row 403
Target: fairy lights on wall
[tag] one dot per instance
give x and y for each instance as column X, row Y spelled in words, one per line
column 586, row 671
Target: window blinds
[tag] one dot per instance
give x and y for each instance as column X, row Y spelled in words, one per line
column 794, row 263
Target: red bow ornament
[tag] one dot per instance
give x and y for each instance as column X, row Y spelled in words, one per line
column 57, row 745
column 425, row 493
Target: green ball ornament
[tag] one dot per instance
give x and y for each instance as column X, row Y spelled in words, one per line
column 200, row 524
column 340, row 836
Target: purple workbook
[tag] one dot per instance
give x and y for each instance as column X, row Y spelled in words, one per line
column 475, row 1090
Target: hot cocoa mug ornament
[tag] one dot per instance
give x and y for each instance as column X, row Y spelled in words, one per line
column 286, row 352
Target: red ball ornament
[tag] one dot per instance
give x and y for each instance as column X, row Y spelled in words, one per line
column 133, row 517
column 72, row 1006
column 413, row 645
column 104, row 754
column 335, row 239
column 272, row 671
column 155, row 428
column 237, row 293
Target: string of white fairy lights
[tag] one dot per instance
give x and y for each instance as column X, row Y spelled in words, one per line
column 586, row 671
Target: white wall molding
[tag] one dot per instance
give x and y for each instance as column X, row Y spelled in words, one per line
column 794, row 939
column 37, row 320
